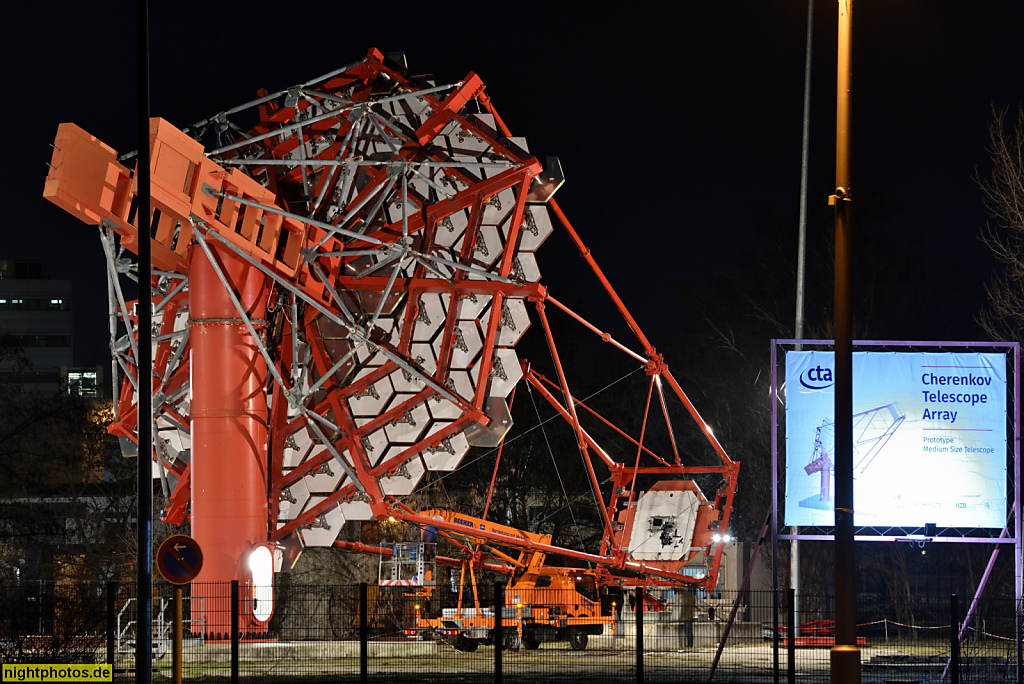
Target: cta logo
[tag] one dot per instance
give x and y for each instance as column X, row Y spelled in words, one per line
column 817, row 378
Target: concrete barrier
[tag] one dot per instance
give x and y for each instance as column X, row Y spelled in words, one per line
column 667, row 634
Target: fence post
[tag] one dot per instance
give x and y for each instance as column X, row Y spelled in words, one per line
column 111, row 626
column 176, row 637
column 791, row 636
column 499, row 631
column 234, row 631
column 954, row 640
column 639, row 611
column 775, row 635
column 364, row 633
column 1018, row 617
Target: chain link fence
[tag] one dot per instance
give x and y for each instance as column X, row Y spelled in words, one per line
column 369, row 633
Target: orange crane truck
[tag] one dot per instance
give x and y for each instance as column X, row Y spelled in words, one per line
column 541, row 603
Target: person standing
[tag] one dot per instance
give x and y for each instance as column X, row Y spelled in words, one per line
column 687, row 611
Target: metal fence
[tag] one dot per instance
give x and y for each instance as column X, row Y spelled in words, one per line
column 369, row 633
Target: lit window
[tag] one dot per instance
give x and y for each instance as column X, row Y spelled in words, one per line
column 82, row 383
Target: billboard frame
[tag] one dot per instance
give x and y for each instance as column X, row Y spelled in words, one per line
column 1010, row 534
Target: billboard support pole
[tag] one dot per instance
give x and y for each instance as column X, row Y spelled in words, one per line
column 739, row 598
column 1017, row 560
column 801, row 261
column 974, row 604
column 774, row 513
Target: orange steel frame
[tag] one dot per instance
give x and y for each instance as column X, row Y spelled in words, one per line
column 259, row 243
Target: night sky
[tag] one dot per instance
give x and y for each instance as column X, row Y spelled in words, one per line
column 678, row 126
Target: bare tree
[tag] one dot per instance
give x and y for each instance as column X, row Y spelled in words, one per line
column 1002, row 189
column 64, row 490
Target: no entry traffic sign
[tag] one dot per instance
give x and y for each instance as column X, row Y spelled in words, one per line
column 179, row 559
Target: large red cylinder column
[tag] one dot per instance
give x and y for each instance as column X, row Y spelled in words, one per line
column 229, row 433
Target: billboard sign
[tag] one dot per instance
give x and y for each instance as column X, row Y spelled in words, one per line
column 929, row 439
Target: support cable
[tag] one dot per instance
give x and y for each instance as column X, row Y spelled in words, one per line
column 582, row 403
column 554, row 462
column 580, row 439
column 668, row 420
column 636, row 466
column 539, row 426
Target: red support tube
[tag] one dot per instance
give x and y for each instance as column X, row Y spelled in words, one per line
column 603, row 335
column 497, row 460
column 585, row 253
column 533, row 380
column 639, row 450
column 668, row 421
column 229, row 428
column 608, row 527
column 696, row 416
column 604, row 420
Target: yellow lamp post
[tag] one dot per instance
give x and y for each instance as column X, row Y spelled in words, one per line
column 845, row 656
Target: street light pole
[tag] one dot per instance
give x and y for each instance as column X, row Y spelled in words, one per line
column 801, row 270
column 845, row 657
column 144, row 460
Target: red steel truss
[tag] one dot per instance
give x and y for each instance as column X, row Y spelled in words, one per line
column 338, row 293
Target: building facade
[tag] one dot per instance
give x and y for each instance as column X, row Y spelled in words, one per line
column 36, row 313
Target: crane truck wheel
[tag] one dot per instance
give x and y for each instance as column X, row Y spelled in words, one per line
column 578, row 639
column 512, row 641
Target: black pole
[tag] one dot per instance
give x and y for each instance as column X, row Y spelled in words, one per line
column 176, row 647
column 111, row 625
column 364, row 633
column 742, row 592
column 791, row 636
column 954, row 640
column 639, row 612
column 775, row 632
column 499, row 631
column 234, row 631
column 144, row 465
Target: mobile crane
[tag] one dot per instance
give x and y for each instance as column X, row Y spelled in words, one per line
column 543, row 603
column 338, row 291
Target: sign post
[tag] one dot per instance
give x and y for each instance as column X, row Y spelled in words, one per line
column 179, row 560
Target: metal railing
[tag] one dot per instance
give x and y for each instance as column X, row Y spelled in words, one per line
column 125, row 628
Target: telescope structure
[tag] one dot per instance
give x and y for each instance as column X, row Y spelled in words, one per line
column 338, row 291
